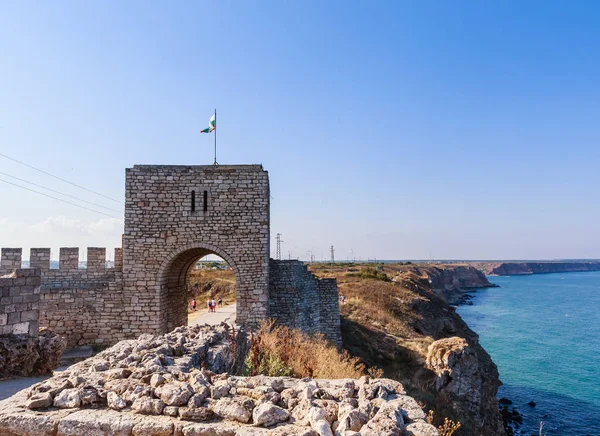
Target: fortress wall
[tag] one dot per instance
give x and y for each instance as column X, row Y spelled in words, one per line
column 300, row 300
column 87, row 309
column 82, row 304
column 19, row 302
column 330, row 309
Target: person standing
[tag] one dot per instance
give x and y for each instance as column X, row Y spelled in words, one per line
column 214, row 305
column 193, row 305
column 220, row 302
column 208, row 305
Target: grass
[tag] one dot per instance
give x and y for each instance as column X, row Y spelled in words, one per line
column 281, row 351
column 209, row 284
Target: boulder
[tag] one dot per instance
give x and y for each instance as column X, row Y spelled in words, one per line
column 68, row 399
column 235, row 409
column 147, row 406
column 195, row 413
column 39, row 401
column 115, row 402
column 268, row 414
column 174, row 394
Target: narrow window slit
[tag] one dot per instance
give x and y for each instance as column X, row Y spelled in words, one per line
column 193, row 201
column 205, row 201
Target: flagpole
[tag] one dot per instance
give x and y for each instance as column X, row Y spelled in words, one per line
column 215, row 163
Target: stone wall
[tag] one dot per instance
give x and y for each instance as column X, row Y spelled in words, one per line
column 83, row 305
column 300, row 300
column 175, row 215
column 24, row 350
column 20, row 302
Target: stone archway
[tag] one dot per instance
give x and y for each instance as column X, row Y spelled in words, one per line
column 173, row 279
column 175, row 214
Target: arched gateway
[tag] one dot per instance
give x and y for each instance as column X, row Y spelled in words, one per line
column 174, row 215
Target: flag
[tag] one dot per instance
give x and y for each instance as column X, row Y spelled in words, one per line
column 212, row 125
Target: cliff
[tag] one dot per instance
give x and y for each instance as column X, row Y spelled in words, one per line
column 409, row 330
column 525, row 268
column 451, row 282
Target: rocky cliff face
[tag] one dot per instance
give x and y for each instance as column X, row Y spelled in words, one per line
column 508, row 268
column 410, row 331
column 466, row 380
column 452, row 282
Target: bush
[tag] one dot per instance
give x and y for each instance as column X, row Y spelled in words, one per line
column 371, row 273
column 281, row 351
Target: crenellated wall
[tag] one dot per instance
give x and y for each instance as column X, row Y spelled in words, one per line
column 82, row 304
column 300, row 300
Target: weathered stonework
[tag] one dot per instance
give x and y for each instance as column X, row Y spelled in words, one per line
column 175, row 215
column 19, row 302
column 165, row 234
column 300, row 300
column 23, row 350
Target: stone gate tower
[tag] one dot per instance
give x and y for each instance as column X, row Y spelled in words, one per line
column 174, row 215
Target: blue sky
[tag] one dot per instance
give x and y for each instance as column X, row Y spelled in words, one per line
column 398, row 129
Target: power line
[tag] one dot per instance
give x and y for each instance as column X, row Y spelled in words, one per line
column 59, row 178
column 59, row 199
column 61, row 193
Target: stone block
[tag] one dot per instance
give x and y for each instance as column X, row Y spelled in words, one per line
column 3, row 318
column 14, row 317
column 20, row 328
column 31, row 315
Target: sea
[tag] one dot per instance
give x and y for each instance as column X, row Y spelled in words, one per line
column 543, row 333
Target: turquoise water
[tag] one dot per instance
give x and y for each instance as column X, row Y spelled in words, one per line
column 543, row 333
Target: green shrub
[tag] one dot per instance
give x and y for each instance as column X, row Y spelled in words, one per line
column 371, row 273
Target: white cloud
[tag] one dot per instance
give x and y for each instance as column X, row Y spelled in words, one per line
column 60, row 231
column 107, row 225
column 7, row 225
column 61, row 223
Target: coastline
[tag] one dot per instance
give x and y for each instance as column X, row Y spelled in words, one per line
column 530, row 268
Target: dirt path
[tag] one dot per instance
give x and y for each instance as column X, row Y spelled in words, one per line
column 203, row 316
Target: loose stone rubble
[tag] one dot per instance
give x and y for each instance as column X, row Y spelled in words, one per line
column 178, row 384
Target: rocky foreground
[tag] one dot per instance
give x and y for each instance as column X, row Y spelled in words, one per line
column 178, row 384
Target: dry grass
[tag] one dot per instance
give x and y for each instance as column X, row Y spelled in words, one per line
column 205, row 284
column 278, row 350
column 446, row 428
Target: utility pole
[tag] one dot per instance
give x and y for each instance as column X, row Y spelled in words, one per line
column 289, row 255
column 279, row 241
column 332, row 255
column 312, row 256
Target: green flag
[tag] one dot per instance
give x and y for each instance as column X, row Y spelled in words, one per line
column 212, row 125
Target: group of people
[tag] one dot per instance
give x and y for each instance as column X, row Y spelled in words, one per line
column 211, row 304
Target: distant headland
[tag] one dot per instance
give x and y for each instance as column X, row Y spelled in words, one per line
column 527, row 268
